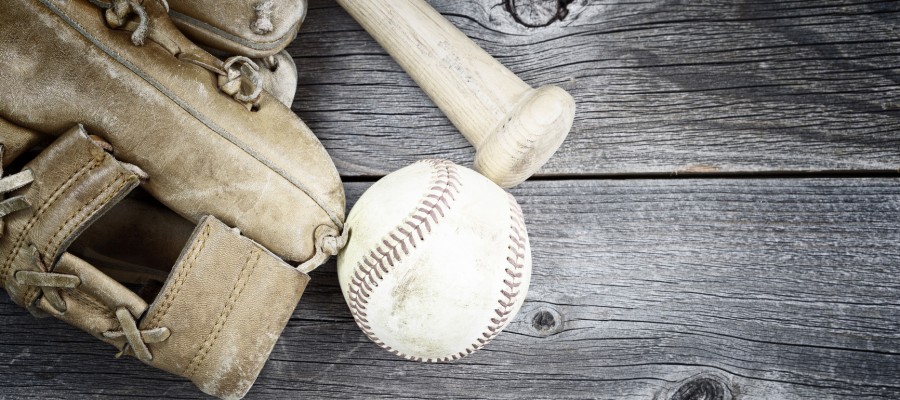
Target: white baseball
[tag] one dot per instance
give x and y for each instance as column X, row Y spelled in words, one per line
column 438, row 261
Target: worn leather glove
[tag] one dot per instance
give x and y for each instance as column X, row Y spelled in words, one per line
column 258, row 29
column 110, row 97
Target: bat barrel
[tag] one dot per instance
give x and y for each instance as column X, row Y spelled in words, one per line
column 483, row 99
column 527, row 137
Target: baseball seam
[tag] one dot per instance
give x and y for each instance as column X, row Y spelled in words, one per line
column 398, row 243
column 518, row 238
column 401, row 241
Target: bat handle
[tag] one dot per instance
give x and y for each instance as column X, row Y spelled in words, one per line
column 527, row 137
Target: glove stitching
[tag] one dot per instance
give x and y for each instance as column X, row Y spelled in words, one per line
column 179, row 280
column 236, row 291
column 88, row 166
column 52, row 246
column 34, row 293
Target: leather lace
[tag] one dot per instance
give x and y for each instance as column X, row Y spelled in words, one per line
column 48, row 282
column 233, row 73
column 137, row 339
column 9, row 184
column 230, row 82
column 118, row 12
column 328, row 243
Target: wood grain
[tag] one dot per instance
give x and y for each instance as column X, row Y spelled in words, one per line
column 642, row 289
column 514, row 128
column 661, row 87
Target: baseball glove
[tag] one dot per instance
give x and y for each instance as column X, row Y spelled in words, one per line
column 257, row 29
column 110, row 96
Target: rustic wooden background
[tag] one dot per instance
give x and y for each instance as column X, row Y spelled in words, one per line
column 722, row 223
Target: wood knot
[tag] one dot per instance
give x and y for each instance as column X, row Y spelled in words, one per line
column 702, row 388
column 546, row 321
column 538, row 13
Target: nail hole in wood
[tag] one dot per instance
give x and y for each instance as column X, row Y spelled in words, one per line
column 546, row 321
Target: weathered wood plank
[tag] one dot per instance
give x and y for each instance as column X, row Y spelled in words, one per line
column 662, row 87
column 771, row 289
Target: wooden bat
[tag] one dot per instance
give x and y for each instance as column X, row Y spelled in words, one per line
column 514, row 127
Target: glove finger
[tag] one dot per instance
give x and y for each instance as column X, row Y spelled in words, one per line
column 219, row 311
column 279, row 74
column 256, row 29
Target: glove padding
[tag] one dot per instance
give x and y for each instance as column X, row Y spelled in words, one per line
column 144, row 106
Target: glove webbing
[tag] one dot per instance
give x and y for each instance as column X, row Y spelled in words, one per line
column 215, row 319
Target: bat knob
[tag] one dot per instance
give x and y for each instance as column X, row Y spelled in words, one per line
column 527, row 137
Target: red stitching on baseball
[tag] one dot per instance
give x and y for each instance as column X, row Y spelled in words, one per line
column 397, row 244
column 445, row 183
column 516, row 261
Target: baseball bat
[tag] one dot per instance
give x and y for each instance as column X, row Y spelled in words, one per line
column 514, row 128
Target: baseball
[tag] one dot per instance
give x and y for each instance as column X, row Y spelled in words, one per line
column 437, row 263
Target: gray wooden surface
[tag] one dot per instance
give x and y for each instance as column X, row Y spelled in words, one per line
column 662, row 86
column 755, row 278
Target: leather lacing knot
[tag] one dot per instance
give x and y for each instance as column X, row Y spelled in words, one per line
column 233, row 74
column 263, row 23
column 137, row 339
column 231, row 82
column 119, row 12
column 328, row 243
column 48, row 282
